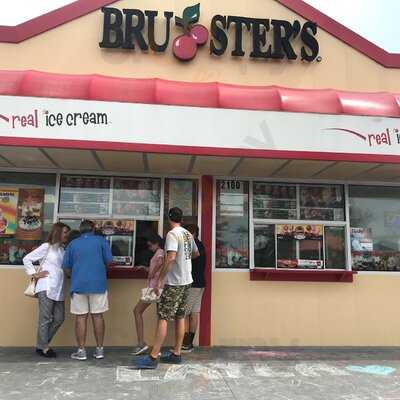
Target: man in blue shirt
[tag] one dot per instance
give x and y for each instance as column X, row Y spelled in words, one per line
column 85, row 260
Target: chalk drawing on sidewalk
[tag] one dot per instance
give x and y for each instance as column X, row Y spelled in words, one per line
column 314, row 370
column 180, row 372
column 236, row 370
column 266, row 371
column 372, row 369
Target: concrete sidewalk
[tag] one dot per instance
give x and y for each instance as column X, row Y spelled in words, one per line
column 206, row 374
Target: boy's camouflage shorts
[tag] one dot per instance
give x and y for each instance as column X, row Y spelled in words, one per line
column 172, row 304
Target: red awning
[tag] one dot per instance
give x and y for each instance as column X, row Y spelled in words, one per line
column 214, row 94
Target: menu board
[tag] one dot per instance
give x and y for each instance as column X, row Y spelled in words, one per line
column 81, row 195
column 274, row 201
column 132, row 197
column 322, row 203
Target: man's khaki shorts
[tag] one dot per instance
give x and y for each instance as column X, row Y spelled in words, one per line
column 194, row 300
column 89, row 303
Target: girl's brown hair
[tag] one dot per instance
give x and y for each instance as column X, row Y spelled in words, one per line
column 56, row 233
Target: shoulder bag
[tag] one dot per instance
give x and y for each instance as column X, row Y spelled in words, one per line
column 31, row 288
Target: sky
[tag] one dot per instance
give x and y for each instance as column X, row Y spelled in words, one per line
column 376, row 20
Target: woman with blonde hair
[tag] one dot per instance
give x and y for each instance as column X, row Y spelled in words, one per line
column 49, row 286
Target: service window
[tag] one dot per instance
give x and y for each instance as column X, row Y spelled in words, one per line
column 126, row 211
column 299, row 226
column 300, row 246
column 144, row 229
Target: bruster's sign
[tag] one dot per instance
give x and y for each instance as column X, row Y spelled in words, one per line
column 270, row 38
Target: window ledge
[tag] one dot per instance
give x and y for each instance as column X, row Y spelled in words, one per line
column 261, row 274
column 125, row 273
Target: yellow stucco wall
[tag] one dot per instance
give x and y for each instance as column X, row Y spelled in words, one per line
column 243, row 312
column 18, row 314
column 363, row 313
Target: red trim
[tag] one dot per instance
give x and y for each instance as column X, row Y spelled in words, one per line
column 125, row 273
column 50, row 20
column 346, row 35
column 301, row 276
column 200, row 151
column 206, row 237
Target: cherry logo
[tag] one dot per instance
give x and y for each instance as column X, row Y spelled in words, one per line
column 185, row 46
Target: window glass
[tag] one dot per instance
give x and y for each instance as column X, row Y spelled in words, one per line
column 26, row 213
column 264, row 246
column 136, row 197
column 322, row 203
column 375, row 228
column 273, row 201
column 335, row 247
column 182, row 193
column 232, row 230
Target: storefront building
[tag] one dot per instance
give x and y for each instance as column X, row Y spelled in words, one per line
column 111, row 114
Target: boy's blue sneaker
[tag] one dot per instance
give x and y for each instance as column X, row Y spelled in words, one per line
column 145, row 362
column 170, row 358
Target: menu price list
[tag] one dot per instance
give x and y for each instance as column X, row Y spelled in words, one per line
column 84, row 195
column 136, row 196
column 274, row 201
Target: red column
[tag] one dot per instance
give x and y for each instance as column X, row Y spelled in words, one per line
column 206, row 238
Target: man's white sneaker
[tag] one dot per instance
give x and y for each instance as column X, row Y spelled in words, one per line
column 140, row 349
column 79, row 355
column 99, row 353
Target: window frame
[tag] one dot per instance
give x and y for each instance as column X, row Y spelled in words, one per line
column 345, row 183
column 298, row 221
column 109, row 174
column 214, row 224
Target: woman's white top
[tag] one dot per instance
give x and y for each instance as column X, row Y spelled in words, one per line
column 53, row 284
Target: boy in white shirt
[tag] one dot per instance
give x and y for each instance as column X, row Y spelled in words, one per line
column 180, row 248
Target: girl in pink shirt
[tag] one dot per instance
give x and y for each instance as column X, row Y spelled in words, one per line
column 155, row 244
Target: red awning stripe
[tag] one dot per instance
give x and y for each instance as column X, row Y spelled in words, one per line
column 213, row 94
